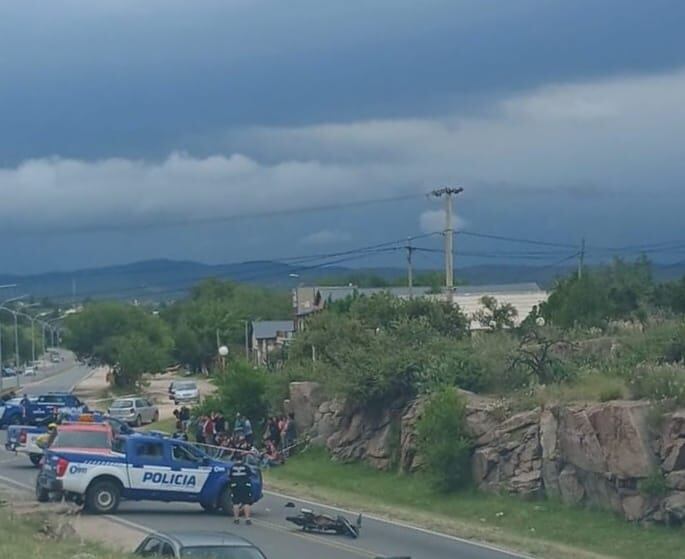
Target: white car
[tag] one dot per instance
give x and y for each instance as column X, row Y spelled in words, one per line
column 185, row 392
column 30, row 372
column 134, row 411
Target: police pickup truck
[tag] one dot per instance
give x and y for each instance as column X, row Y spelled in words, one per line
column 140, row 468
column 41, row 409
column 23, row 439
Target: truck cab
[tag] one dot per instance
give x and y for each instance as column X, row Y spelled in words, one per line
column 140, row 468
column 49, row 405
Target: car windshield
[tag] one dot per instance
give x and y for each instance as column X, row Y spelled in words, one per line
column 185, row 386
column 82, row 439
column 221, row 552
column 122, row 404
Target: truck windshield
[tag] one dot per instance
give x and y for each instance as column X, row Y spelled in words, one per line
column 50, row 400
column 221, row 552
column 184, row 386
column 82, row 439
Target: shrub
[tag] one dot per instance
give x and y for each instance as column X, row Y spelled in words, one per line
column 610, row 393
column 443, row 440
column 665, row 382
column 241, row 388
column 494, row 353
column 654, row 485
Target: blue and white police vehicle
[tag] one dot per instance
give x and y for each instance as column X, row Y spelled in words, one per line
column 11, row 412
column 139, row 468
column 41, row 409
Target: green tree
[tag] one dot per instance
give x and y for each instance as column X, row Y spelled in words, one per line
column 618, row 291
column 219, row 308
column 128, row 338
column 242, row 389
column 495, row 316
column 444, row 442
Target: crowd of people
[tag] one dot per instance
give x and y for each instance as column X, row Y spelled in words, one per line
column 238, row 439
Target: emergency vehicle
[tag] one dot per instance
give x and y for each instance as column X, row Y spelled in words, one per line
column 24, row 439
column 139, row 468
column 41, row 409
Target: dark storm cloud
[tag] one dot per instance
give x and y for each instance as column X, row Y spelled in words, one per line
column 560, row 118
column 127, row 78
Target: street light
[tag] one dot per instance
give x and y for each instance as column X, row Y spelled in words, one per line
column 16, row 328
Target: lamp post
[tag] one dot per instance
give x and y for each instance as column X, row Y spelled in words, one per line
column 16, row 328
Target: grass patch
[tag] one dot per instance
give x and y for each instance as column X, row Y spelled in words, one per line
column 545, row 528
column 20, row 538
column 167, row 425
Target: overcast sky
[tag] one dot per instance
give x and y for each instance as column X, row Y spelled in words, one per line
column 132, row 130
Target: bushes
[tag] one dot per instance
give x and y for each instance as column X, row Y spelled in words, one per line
column 654, row 485
column 443, row 440
column 241, row 388
column 659, row 383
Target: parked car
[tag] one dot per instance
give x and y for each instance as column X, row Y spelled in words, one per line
column 30, row 372
column 185, row 392
column 134, row 411
column 198, row 545
column 8, row 372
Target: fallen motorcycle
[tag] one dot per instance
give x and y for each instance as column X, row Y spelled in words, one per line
column 310, row 521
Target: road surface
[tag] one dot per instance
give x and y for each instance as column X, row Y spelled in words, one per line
column 270, row 531
column 51, row 377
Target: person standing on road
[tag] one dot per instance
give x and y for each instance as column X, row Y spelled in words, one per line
column 241, row 489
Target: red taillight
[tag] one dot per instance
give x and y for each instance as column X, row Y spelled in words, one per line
column 61, row 468
column 22, row 436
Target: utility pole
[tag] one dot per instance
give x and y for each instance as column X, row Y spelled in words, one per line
column 448, row 192
column 410, row 271
column 247, row 347
column 16, row 341
column 581, row 259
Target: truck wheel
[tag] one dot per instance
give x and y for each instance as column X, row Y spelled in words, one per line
column 139, row 421
column 155, row 418
column 102, row 497
column 42, row 494
column 226, row 501
column 35, row 458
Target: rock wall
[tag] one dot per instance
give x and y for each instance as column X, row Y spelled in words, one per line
column 596, row 454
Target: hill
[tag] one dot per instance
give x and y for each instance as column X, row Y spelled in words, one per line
column 169, row 279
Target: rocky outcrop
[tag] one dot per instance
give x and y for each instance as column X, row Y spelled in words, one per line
column 596, row 454
column 305, row 399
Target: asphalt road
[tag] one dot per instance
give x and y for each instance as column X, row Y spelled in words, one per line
column 277, row 538
column 52, row 377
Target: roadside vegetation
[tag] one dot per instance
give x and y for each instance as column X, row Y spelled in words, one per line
column 546, row 527
column 23, row 536
column 611, row 334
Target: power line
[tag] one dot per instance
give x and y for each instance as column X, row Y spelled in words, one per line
column 186, row 222
column 513, row 239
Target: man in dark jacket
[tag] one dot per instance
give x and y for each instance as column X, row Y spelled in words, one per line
column 241, row 488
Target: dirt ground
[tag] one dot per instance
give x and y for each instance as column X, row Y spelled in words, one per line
column 62, row 520
column 95, row 390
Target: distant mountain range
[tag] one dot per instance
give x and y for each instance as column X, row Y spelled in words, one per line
column 170, row 279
